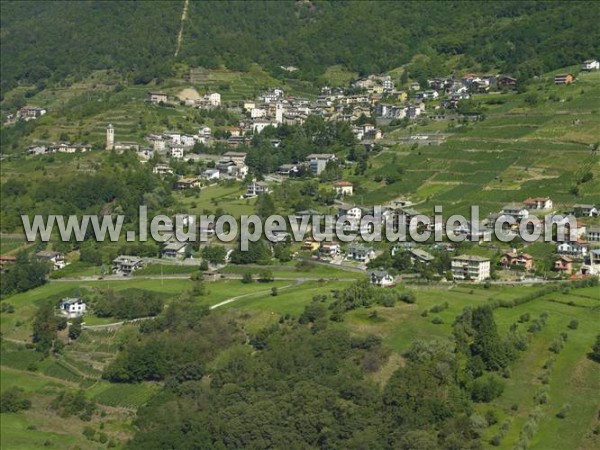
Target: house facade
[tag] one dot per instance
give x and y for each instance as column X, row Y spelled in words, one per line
column 470, row 267
column 381, row 278
column 56, row 258
column 563, row 78
column 360, row 253
column 515, row 259
column 343, row 188
column 564, row 264
column 125, row 265
column 538, row 203
column 72, row 307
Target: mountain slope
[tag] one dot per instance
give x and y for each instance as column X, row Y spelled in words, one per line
column 52, row 40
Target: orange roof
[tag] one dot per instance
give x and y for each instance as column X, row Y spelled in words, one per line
column 343, row 183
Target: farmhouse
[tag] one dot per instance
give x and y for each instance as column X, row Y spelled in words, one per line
column 6, row 260
column 187, row 183
column 563, row 78
column 256, row 188
column 329, row 248
column 381, row 278
column 30, row 112
column 162, row 169
column 126, row 265
column 470, row 267
column 515, row 210
column 176, row 151
column 288, row 170
column 564, row 264
column 506, row 82
column 174, row 249
column 236, row 157
column 593, row 234
column 310, row 245
column 361, row 253
column 572, row 249
column 157, row 97
column 72, row 307
column 210, row 174
column 515, row 259
column 539, row 203
column 585, row 210
column 421, row 255
column 57, row 259
column 351, row 212
column 343, row 188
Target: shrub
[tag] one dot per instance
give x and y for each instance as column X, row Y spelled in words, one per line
column 437, row 321
column 573, row 324
column 486, row 388
column 247, row 278
column 564, row 410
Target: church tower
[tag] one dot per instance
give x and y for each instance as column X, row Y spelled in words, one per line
column 279, row 113
column 110, row 137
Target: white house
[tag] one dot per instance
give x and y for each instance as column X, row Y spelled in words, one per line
column 214, row 99
column 157, row 97
column 381, row 278
column 343, row 188
column 538, row 203
column 176, row 151
column 593, row 234
column 210, row 174
column 573, row 249
column 256, row 188
column 585, row 210
column 590, row 64
column 56, row 258
column 517, row 211
column 470, row 267
column 174, row 249
column 126, row 265
column 361, row 253
column 162, row 169
column 72, row 307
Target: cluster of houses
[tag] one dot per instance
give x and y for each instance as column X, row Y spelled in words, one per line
column 577, row 245
column 26, row 113
column 62, row 147
column 208, row 101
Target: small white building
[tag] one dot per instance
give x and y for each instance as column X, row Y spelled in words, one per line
column 176, row 151
column 72, row 307
column 210, row 174
column 361, row 253
column 56, row 258
column 343, row 188
column 381, row 278
column 157, row 97
column 126, row 265
column 256, row 188
column 590, row 64
column 162, row 169
column 517, row 211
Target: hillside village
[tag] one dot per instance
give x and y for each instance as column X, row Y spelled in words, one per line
column 318, row 225
column 368, row 104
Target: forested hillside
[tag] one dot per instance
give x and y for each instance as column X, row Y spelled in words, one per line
column 139, row 38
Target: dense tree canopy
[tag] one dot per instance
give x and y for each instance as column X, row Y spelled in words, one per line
column 50, row 41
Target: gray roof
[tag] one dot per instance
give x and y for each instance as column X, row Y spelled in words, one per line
column 474, row 258
column 422, row 254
